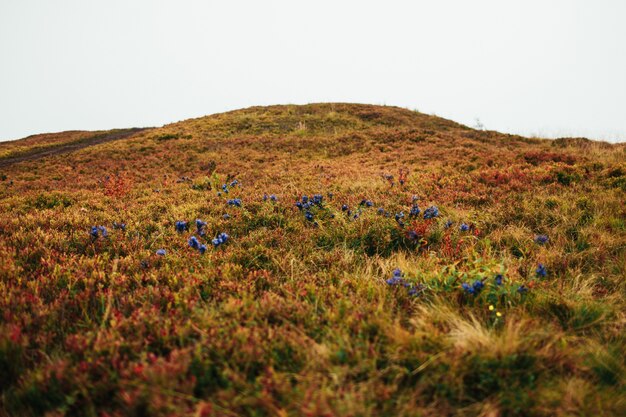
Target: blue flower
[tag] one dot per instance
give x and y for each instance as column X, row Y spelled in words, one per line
column 234, row 202
column 380, row 210
column 399, row 216
column 541, row 239
column 225, row 188
column 522, row 289
column 200, row 226
column 366, row 203
column 299, row 205
column 181, row 226
column 273, row 198
column 344, row 207
column 431, row 212
column 94, row 232
column 309, row 216
column 448, row 224
column 305, row 199
column 317, row 199
column 541, row 271
column 499, row 279
column 161, row 252
column 220, row 239
column 102, row 230
column 234, row 183
column 226, row 216
column 478, row 286
column 202, row 249
column 265, row 197
column 193, row 242
column 415, row 211
column 468, row 288
column 464, row 227
column 396, row 277
column 330, row 195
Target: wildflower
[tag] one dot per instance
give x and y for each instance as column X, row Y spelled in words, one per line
column 448, row 224
column 498, row 314
column 103, row 231
column 181, row 226
column 478, row 286
column 317, row 199
column 413, row 235
column 299, row 205
column 491, row 308
column 234, row 202
column 541, row 239
column 234, row 183
column 366, row 203
column 305, row 199
column 380, row 210
column 468, row 288
column 226, row 216
column 273, row 198
column 94, row 232
column 522, row 289
column 220, row 239
column 464, row 227
column 161, row 252
column 344, row 207
column 330, row 195
column 193, row 242
column 202, row 249
column 399, row 216
column 265, row 197
column 200, row 226
column 396, row 277
column 498, row 279
column 225, row 188
column 431, row 212
column 541, row 271
column 309, row 216
column 415, row 211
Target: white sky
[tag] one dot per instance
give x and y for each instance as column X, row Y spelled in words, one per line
column 545, row 67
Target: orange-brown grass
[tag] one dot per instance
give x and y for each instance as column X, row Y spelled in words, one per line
column 296, row 317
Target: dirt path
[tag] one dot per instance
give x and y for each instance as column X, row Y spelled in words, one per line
column 96, row 139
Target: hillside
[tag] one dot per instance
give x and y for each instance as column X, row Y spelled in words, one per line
column 378, row 262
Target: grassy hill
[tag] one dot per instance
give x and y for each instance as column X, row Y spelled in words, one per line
column 379, row 262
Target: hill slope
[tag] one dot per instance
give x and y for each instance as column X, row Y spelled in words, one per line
column 340, row 290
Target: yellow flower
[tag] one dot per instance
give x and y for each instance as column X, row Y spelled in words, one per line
column 499, row 314
column 491, row 308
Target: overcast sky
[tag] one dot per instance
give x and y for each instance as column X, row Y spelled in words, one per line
column 536, row 67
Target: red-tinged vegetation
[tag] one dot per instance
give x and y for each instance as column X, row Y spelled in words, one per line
column 325, row 288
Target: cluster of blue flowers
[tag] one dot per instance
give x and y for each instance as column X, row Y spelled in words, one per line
column 475, row 288
column 399, row 217
column 234, row 202
column 541, row 239
column 464, row 227
column 306, row 203
column 415, row 211
column 396, row 279
column 201, row 227
column 366, row 203
column 181, row 226
column 431, row 212
column 225, row 187
column 271, row 197
column 98, row 231
column 194, row 243
column 220, row 239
